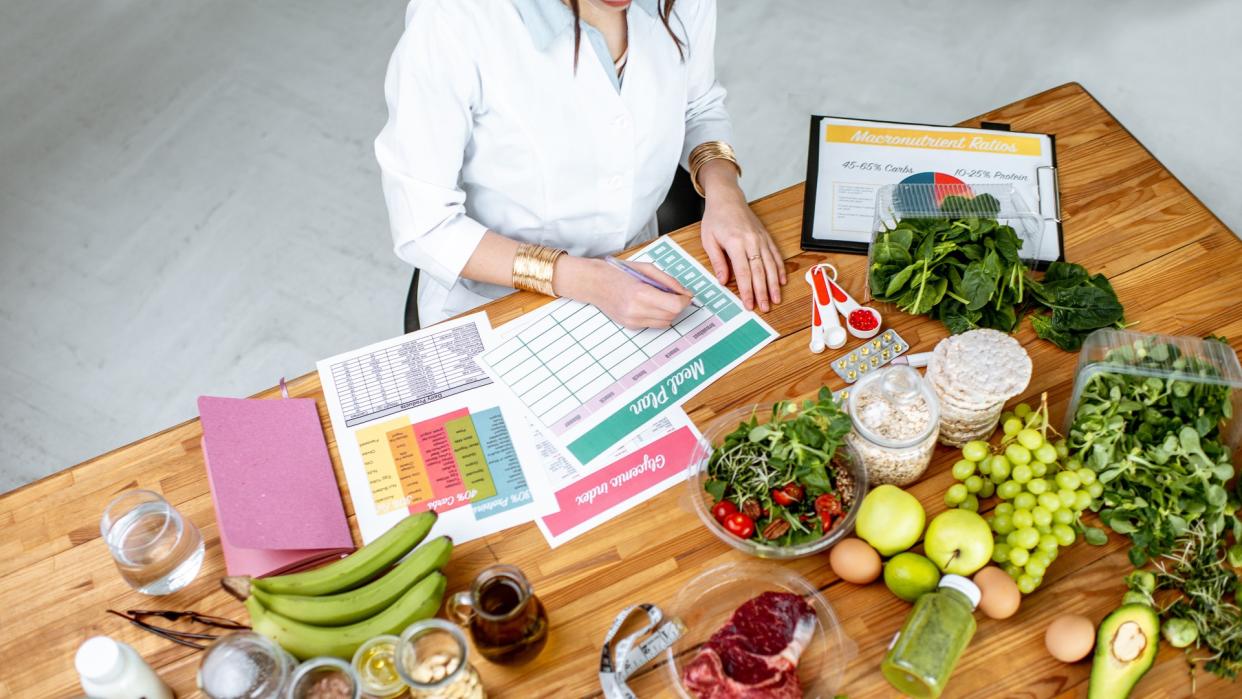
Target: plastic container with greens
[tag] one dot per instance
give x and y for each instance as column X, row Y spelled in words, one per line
column 1155, row 418
column 958, row 252
column 1192, row 373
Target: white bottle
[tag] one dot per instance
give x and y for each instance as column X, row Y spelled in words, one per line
column 113, row 670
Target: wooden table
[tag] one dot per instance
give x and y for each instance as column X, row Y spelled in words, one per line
column 1175, row 266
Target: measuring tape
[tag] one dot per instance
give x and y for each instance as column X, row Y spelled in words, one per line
column 630, row 654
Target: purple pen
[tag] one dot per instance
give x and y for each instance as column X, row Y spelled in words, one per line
column 619, row 264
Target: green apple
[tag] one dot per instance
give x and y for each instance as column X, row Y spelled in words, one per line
column 890, row 519
column 958, row 542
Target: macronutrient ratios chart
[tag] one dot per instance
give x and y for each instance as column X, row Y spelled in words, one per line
column 592, row 382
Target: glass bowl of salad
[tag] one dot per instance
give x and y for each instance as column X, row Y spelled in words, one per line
column 778, row 480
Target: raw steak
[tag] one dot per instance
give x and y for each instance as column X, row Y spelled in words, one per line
column 755, row 654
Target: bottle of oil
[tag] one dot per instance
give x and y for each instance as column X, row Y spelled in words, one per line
column 507, row 622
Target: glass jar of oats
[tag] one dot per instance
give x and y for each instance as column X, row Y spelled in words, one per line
column 896, row 421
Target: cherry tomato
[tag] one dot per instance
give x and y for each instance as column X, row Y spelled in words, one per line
column 788, row 494
column 723, row 509
column 740, row 525
column 828, row 507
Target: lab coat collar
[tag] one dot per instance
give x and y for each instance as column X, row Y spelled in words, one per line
column 547, row 19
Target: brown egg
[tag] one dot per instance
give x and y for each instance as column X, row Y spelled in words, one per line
column 855, row 561
column 999, row 596
column 1070, row 637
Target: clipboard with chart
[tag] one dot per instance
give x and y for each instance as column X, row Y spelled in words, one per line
column 849, row 160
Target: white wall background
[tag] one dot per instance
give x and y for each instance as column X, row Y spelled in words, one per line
column 189, row 202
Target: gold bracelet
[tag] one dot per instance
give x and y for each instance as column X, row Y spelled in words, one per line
column 705, row 153
column 533, row 266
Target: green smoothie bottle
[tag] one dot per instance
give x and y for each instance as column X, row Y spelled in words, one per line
column 923, row 654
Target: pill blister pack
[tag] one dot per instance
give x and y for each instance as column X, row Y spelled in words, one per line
column 870, row 355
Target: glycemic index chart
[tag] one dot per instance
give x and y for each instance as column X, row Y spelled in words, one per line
column 571, row 365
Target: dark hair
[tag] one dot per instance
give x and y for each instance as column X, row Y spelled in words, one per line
column 665, row 11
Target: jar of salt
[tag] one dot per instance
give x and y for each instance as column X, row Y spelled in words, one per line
column 245, row 665
column 896, row 420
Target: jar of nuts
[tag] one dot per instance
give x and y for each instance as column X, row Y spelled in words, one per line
column 433, row 660
column 896, row 420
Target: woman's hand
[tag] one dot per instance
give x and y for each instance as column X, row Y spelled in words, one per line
column 734, row 237
column 621, row 297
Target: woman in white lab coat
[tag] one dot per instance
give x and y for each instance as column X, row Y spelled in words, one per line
column 526, row 139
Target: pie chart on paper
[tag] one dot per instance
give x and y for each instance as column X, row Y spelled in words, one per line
column 914, row 199
column 946, row 185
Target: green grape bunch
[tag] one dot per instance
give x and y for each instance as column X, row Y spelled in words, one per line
column 1042, row 491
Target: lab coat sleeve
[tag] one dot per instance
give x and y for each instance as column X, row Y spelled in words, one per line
column 431, row 87
column 706, row 117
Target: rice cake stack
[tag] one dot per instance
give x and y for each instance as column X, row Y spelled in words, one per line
column 973, row 375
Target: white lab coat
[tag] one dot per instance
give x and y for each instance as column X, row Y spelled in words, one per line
column 490, row 127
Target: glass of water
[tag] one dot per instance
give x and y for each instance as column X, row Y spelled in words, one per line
column 156, row 549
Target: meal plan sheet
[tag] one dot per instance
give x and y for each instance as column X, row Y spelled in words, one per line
column 420, row 426
column 592, row 383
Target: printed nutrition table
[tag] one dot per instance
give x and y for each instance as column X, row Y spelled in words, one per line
column 414, row 373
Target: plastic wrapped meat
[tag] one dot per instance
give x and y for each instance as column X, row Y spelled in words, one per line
column 754, row 655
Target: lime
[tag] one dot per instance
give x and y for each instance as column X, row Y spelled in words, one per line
column 909, row 575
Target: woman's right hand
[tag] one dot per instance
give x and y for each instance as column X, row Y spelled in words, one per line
column 621, row 297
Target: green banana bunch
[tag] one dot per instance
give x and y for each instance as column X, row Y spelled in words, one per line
column 357, row 568
column 309, row 641
column 360, row 603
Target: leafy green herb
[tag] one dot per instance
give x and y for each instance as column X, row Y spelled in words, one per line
column 796, row 445
column 1156, row 445
column 964, row 269
column 1196, row 610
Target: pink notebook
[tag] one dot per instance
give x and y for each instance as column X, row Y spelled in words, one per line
column 277, row 502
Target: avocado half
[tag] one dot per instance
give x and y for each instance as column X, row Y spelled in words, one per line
column 1125, row 648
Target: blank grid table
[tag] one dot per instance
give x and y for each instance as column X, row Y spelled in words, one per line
column 574, row 360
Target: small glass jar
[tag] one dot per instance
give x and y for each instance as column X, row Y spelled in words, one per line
column 896, row 419
column 434, row 662
column 324, row 678
column 924, row 652
column 507, row 622
column 245, row 665
column 376, row 664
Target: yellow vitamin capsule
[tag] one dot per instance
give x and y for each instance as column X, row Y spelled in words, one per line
column 898, row 348
column 841, row 365
column 888, row 335
column 884, row 355
column 875, row 361
column 865, row 351
column 851, row 376
column 862, row 368
column 853, row 357
column 876, row 343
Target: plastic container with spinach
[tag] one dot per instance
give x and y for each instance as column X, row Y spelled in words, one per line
column 963, row 266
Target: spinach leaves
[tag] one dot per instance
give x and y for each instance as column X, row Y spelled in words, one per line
column 964, row 270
